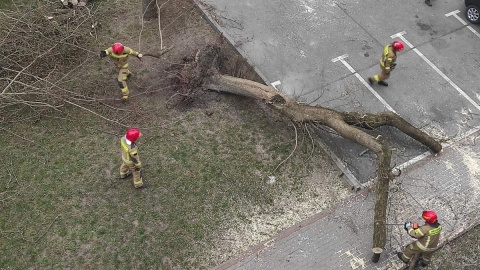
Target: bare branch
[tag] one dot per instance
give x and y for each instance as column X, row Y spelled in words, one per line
column 16, row 135
column 291, row 153
column 45, row 232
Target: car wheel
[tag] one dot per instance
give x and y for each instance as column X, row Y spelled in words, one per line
column 473, row 14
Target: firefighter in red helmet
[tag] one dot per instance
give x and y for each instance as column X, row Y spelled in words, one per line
column 387, row 62
column 427, row 235
column 119, row 56
column 130, row 159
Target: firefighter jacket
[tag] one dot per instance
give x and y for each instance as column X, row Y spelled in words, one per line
column 389, row 56
column 428, row 236
column 120, row 60
column 130, row 153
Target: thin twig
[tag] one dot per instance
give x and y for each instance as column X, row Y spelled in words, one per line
column 31, row 63
column 296, row 143
column 45, row 232
column 99, row 115
column 15, row 134
column 159, row 24
column 159, row 8
column 311, row 139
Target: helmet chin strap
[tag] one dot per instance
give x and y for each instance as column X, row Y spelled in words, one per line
column 128, row 141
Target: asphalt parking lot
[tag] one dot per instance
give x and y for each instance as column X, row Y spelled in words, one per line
column 322, row 52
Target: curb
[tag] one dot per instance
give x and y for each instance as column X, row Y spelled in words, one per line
column 203, row 9
column 257, row 249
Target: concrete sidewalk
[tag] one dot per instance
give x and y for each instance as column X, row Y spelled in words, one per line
column 341, row 238
column 291, row 45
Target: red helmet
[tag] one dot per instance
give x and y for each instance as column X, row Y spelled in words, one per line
column 429, row 216
column 117, row 48
column 133, row 134
column 398, row 45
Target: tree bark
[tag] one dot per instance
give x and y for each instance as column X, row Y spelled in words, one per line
column 384, row 176
column 243, row 87
column 344, row 123
column 371, row 121
column 149, row 10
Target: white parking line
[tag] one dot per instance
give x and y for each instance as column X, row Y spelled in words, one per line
column 275, row 83
column 454, row 14
column 418, row 158
column 341, row 59
column 400, row 35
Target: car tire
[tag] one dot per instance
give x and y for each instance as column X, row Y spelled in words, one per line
column 473, row 14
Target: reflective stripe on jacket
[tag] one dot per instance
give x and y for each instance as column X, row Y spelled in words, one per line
column 130, row 153
column 428, row 236
column 120, row 60
column 388, row 57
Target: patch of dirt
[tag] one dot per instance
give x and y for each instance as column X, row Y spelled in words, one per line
column 320, row 191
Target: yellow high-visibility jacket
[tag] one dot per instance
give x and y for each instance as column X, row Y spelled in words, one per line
column 120, row 60
column 130, row 153
column 428, row 236
column 388, row 57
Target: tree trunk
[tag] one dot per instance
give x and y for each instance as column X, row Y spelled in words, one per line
column 344, row 123
column 243, row 87
column 371, row 121
column 149, row 9
column 384, row 176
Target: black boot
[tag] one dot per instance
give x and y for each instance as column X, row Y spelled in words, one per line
column 370, row 80
column 400, row 256
column 428, row 3
column 384, row 83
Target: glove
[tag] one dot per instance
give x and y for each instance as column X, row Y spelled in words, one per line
column 103, row 54
column 137, row 168
column 393, row 65
column 140, row 55
column 407, row 225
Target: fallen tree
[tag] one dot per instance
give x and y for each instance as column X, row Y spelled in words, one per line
column 203, row 72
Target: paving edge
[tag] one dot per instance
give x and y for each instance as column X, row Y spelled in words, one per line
column 348, row 178
column 204, row 12
column 257, row 249
column 447, row 241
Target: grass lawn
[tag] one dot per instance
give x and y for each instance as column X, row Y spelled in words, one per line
column 63, row 205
